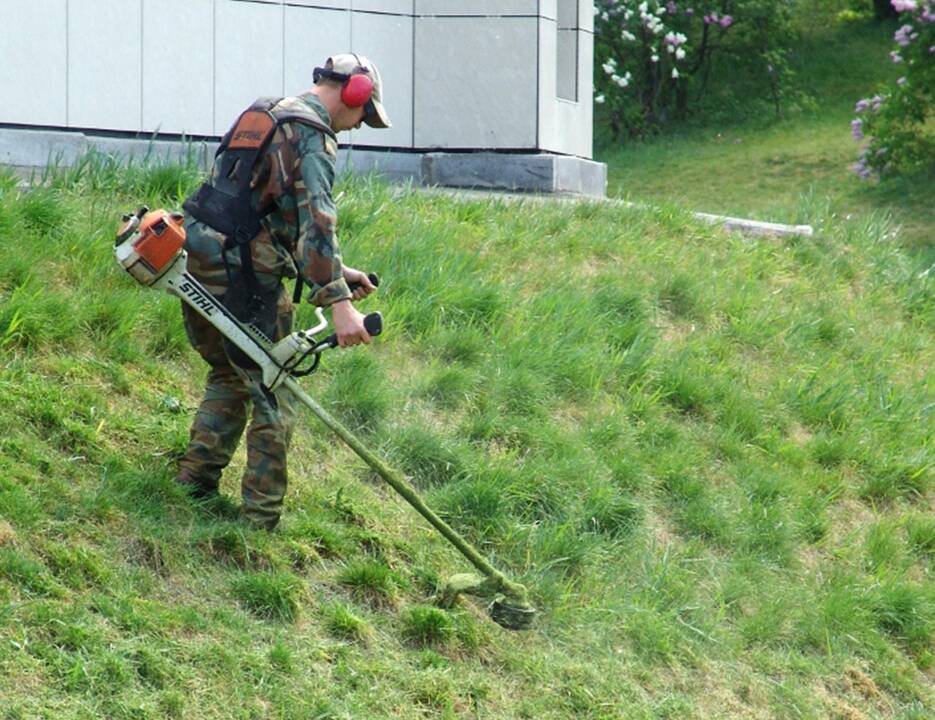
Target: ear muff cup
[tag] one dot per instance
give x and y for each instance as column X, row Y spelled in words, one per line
column 357, row 91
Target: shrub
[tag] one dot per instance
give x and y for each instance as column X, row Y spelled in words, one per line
column 894, row 124
column 655, row 59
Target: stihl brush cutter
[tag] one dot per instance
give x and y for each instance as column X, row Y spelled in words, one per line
column 149, row 247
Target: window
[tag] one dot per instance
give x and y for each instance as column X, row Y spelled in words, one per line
column 566, row 85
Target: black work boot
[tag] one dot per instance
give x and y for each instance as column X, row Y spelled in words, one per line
column 196, row 487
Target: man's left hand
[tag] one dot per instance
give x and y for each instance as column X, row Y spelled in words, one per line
column 366, row 287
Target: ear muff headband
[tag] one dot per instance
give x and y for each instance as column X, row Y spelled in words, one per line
column 357, row 89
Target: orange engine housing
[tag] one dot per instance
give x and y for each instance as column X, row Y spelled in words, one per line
column 161, row 238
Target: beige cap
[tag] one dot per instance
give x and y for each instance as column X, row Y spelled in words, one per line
column 354, row 64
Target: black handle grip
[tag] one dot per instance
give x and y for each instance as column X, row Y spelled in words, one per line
column 373, row 324
column 372, row 277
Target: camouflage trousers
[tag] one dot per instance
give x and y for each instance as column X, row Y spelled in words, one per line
column 231, row 392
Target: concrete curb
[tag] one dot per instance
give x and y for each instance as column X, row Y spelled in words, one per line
column 747, row 228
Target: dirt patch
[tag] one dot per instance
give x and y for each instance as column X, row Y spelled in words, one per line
column 7, row 533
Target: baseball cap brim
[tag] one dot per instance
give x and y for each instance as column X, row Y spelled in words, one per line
column 378, row 117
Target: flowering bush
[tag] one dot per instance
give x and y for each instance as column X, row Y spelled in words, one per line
column 656, row 58
column 892, row 124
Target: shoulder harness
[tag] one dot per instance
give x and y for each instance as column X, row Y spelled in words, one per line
column 225, row 204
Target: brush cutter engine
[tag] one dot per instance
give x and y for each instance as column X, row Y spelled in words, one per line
column 150, row 247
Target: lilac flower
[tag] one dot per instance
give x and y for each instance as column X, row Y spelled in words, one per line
column 875, row 102
column 932, row 49
column 710, row 19
column 903, row 36
column 726, row 21
column 901, row 81
column 861, row 169
column 671, row 7
column 689, row 11
column 857, row 129
column 862, row 106
column 896, row 57
column 904, row 5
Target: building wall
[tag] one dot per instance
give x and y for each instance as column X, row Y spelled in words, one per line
column 458, row 74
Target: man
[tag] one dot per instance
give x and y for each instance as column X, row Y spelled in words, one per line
column 266, row 213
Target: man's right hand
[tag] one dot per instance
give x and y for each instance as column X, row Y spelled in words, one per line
column 348, row 324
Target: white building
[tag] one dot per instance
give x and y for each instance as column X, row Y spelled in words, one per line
column 513, row 77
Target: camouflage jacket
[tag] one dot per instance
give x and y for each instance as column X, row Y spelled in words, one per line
column 296, row 172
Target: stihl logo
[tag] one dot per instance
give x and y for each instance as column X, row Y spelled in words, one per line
column 248, row 136
column 197, row 297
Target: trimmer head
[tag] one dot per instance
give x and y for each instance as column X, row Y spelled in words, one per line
column 509, row 609
column 511, row 616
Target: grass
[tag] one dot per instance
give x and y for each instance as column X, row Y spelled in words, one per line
column 709, row 459
column 793, row 171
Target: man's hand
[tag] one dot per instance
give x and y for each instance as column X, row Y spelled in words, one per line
column 356, row 276
column 348, row 323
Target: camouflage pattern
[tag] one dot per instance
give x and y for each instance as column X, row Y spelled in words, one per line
column 230, row 391
column 296, row 173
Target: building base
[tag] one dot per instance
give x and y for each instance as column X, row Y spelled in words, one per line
column 538, row 173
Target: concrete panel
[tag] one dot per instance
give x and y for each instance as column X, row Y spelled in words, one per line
column 566, row 83
column 32, row 55
column 178, row 66
column 586, row 15
column 457, row 108
column 477, row 7
column 242, row 71
column 387, row 41
column 395, row 7
column 328, row 4
column 105, row 52
column 567, row 14
column 311, row 35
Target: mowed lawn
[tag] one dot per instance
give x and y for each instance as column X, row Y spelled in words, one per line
column 710, row 460
column 793, row 171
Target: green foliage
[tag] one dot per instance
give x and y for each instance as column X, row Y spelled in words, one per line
column 696, row 450
column 896, row 122
column 426, row 625
column 656, row 62
column 274, row 595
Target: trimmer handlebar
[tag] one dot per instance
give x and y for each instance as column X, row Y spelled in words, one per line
column 374, row 280
column 373, row 324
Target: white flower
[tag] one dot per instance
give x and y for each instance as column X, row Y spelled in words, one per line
column 616, row 78
column 643, row 7
column 675, row 73
column 670, row 49
column 655, row 58
column 627, row 35
column 599, row 99
column 608, row 68
column 623, row 82
column 680, row 54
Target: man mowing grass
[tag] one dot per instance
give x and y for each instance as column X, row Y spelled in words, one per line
column 264, row 214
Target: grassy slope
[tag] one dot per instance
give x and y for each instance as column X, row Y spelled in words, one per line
column 710, row 460
column 794, row 171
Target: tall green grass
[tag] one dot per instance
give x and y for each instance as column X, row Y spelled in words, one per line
column 710, row 460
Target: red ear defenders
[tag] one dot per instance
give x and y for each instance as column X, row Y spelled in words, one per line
column 356, row 90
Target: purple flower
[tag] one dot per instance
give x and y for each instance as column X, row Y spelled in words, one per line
column 896, row 57
column 857, row 129
column 903, row 5
column 671, row 7
column 689, row 11
column 862, row 106
column 727, row 21
column 903, row 36
column 932, row 49
column 710, row 19
column 875, row 102
column 901, row 81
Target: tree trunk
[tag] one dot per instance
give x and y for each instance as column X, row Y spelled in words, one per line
column 883, row 9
